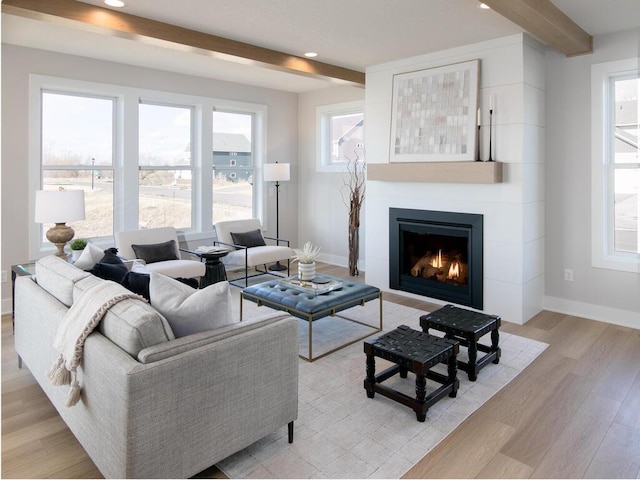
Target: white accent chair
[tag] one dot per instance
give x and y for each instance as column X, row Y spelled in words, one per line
column 153, row 236
column 242, row 257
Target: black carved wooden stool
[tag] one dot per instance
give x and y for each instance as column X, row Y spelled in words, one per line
column 417, row 352
column 467, row 327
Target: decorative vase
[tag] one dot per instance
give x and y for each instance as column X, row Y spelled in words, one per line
column 306, row 271
column 75, row 254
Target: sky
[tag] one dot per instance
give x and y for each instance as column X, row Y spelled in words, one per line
column 83, row 128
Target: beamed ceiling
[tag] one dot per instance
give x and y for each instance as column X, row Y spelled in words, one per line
column 259, row 42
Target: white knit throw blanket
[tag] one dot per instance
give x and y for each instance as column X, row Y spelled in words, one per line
column 83, row 316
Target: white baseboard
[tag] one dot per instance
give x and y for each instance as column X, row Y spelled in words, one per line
column 615, row 316
column 339, row 261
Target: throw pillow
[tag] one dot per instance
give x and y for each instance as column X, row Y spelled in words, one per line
column 111, row 256
column 89, row 257
column 110, row 266
column 137, row 283
column 110, row 271
column 252, row 238
column 189, row 310
column 157, row 252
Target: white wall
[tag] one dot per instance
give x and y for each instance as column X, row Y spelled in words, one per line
column 512, row 69
column 595, row 292
column 323, row 218
column 19, row 62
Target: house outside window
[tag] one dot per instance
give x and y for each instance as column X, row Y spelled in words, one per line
column 616, row 166
column 340, row 135
column 233, row 165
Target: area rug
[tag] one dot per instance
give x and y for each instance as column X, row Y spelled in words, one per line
column 340, row 433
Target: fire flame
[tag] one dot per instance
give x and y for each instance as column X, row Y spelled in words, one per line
column 454, row 270
column 437, row 261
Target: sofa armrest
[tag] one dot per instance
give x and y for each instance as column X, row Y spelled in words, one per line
column 184, row 344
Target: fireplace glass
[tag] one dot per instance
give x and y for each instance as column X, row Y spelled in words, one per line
column 437, row 254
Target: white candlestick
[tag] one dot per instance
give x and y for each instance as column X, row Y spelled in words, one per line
column 479, row 117
column 491, row 101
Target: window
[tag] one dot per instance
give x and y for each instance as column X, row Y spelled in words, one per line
column 165, row 172
column 232, row 165
column 340, row 135
column 616, row 166
column 143, row 158
column 77, row 153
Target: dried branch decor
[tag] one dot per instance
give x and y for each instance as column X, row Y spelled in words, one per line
column 353, row 192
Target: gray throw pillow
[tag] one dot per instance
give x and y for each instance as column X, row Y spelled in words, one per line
column 157, row 252
column 252, row 238
column 189, row 310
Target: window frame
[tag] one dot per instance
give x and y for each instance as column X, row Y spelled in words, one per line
column 603, row 167
column 125, row 138
column 324, row 114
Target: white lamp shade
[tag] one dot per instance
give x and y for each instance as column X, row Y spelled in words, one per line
column 59, row 206
column 276, row 172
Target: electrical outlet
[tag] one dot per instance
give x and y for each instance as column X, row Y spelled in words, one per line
column 4, row 276
column 568, row 274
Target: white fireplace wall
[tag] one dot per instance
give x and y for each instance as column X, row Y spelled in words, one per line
column 512, row 69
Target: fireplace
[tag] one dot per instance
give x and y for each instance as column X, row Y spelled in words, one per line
column 437, row 254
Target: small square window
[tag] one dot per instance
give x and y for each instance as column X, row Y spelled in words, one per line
column 340, row 136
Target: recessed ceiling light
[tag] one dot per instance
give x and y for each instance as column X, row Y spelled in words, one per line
column 114, row 3
column 311, row 54
column 484, row 5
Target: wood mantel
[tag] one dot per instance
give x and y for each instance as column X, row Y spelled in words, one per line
column 436, row 172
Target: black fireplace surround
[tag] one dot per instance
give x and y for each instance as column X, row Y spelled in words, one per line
column 437, row 254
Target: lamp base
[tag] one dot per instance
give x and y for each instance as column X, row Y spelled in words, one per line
column 277, row 267
column 59, row 235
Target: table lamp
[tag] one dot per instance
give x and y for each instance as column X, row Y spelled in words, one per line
column 59, row 206
column 277, row 172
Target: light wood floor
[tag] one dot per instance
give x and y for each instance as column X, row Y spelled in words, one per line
column 573, row 413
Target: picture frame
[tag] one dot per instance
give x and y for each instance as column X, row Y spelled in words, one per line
column 434, row 114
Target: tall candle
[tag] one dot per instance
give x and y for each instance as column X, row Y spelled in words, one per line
column 479, row 117
column 491, row 101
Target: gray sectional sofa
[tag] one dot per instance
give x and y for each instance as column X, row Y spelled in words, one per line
column 155, row 406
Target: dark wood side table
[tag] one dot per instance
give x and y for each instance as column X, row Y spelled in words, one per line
column 215, row 271
column 467, row 327
column 417, row 352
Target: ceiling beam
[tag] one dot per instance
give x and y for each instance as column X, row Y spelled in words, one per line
column 72, row 13
column 548, row 23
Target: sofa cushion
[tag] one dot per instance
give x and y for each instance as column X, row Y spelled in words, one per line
column 252, row 238
column 57, row 276
column 134, row 325
column 157, row 252
column 189, row 310
column 131, row 324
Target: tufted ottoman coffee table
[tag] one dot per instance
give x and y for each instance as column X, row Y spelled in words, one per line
column 311, row 307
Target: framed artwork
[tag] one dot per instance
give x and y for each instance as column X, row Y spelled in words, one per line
column 434, row 114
